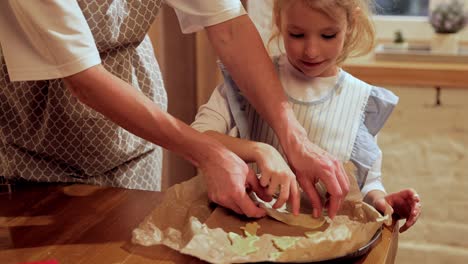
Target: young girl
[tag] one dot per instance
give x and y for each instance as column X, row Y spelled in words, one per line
column 340, row 113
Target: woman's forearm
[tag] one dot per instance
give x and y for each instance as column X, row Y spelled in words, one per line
column 133, row 111
column 226, row 175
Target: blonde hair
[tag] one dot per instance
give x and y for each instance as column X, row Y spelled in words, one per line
column 360, row 38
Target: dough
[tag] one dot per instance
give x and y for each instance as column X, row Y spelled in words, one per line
column 250, row 229
column 242, row 246
column 302, row 220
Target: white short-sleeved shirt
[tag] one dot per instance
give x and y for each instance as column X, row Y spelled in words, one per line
column 195, row 15
column 51, row 39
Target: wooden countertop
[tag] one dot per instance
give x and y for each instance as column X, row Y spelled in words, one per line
column 89, row 224
column 398, row 73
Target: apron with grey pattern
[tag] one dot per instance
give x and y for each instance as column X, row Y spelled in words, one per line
column 47, row 135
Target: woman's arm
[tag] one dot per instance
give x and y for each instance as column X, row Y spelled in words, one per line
column 241, row 49
column 132, row 110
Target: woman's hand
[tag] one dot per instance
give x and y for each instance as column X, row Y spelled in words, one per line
column 227, row 177
column 310, row 164
column 276, row 176
column 406, row 204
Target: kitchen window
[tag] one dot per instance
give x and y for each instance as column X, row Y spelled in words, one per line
column 402, row 7
column 408, row 16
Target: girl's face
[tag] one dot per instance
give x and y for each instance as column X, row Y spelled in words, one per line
column 313, row 41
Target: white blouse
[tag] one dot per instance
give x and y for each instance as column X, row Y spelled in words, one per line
column 43, row 40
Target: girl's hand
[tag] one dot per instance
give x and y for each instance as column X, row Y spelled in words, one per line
column 406, row 204
column 276, row 176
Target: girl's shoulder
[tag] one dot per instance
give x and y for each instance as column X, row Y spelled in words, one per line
column 377, row 92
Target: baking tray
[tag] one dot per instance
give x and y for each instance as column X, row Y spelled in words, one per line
column 358, row 253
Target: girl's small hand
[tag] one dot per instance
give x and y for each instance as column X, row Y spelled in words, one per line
column 406, row 204
column 276, row 176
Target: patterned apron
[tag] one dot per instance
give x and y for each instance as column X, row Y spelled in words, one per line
column 47, row 135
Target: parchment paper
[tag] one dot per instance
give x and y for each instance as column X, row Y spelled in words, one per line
column 185, row 221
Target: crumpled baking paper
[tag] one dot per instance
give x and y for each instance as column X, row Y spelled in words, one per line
column 186, row 221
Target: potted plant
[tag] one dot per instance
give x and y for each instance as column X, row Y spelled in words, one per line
column 447, row 19
column 399, row 41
